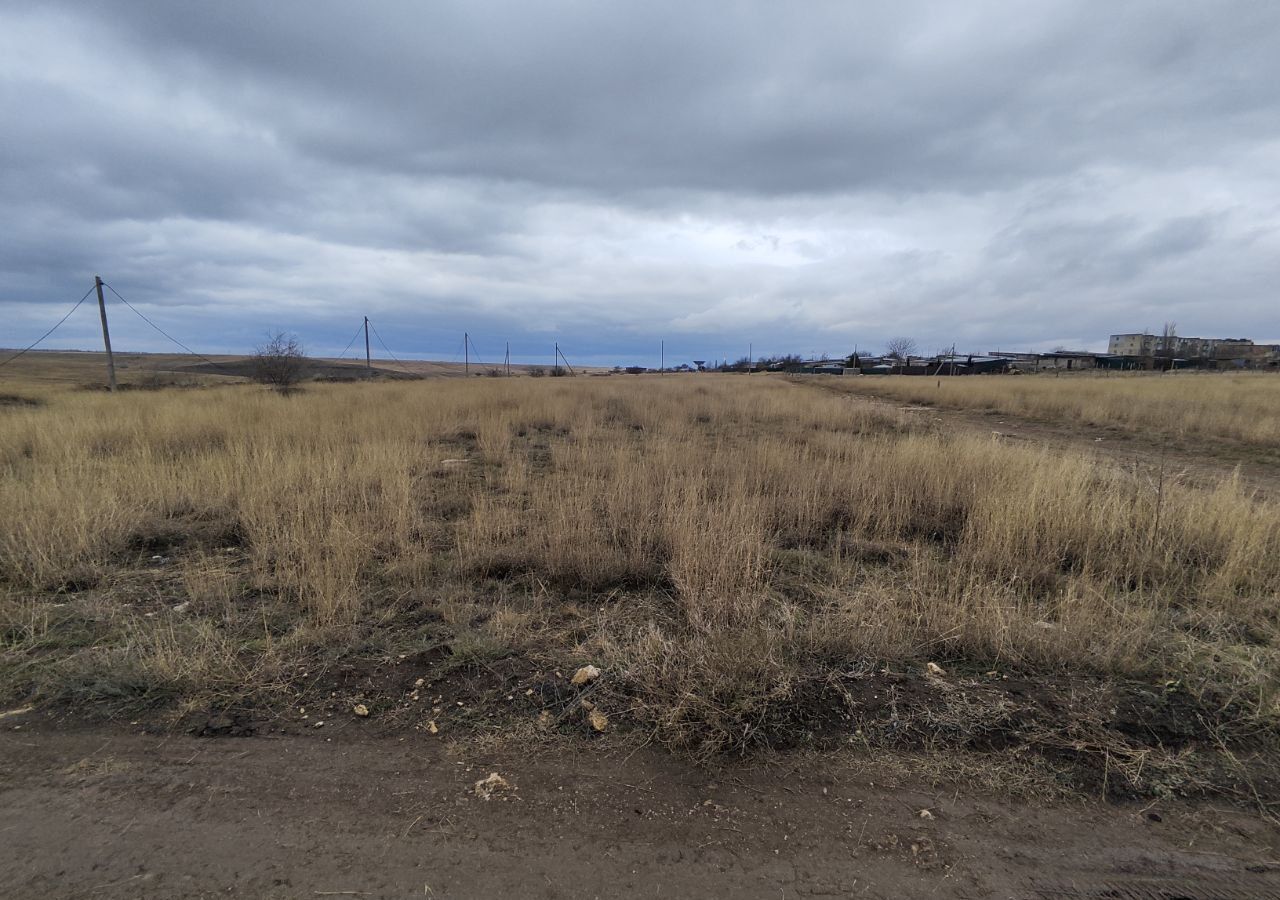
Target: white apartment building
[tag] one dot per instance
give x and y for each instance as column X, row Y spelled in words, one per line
column 1132, row 345
column 1185, row 347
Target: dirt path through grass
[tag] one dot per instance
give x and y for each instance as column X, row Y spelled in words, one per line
column 105, row 813
column 1190, row 459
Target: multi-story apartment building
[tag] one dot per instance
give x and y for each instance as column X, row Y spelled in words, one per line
column 1132, row 345
column 1184, row 347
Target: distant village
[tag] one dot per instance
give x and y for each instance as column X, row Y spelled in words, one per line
column 1139, row 351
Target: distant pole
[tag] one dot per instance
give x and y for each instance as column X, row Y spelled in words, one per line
column 106, row 335
column 751, row 357
column 662, row 357
column 559, row 357
column 556, row 362
column 368, row 359
column 508, row 359
column 466, row 353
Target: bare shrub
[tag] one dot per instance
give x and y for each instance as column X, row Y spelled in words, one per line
column 280, row 362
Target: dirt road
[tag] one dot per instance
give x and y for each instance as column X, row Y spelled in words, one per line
column 114, row 813
column 1185, row 459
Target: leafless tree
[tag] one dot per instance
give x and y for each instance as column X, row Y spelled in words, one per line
column 900, row 348
column 280, row 362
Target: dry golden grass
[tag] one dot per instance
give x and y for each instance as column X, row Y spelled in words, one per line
column 1240, row 407
column 716, row 542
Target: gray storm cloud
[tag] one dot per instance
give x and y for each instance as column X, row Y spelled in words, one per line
column 804, row 177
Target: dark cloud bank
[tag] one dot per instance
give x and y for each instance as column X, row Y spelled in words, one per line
column 804, row 177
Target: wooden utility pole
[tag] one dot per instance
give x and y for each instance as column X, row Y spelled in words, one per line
column 662, row 357
column 466, row 353
column 106, row 335
column 560, row 356
column 507, row 359
column 368, row 359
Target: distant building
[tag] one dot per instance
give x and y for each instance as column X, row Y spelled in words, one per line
column 1132, row 345
column 1230, row 348
column 1058, row 360
column 1183, row 347
column 1071, row 360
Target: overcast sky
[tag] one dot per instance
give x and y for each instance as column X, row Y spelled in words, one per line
column 804, row 177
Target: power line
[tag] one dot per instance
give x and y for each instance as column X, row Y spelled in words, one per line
column 166, row 334
column 50, row 331
column 476, row 349
column 352, row 341
column 560, row 356
column 383, row 343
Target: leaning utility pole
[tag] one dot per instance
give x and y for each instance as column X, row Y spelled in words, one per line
column 560, row 356
column 507, row 359
column 368, row 360
column 106, row 335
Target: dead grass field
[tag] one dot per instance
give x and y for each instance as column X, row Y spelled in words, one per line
column 1241, row 407
column 750, row 561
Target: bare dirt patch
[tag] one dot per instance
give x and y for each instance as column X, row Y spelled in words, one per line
column 1098, row 736
column 110, row 813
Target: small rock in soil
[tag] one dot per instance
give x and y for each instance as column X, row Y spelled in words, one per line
column 486, row 787
column 585, row 675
